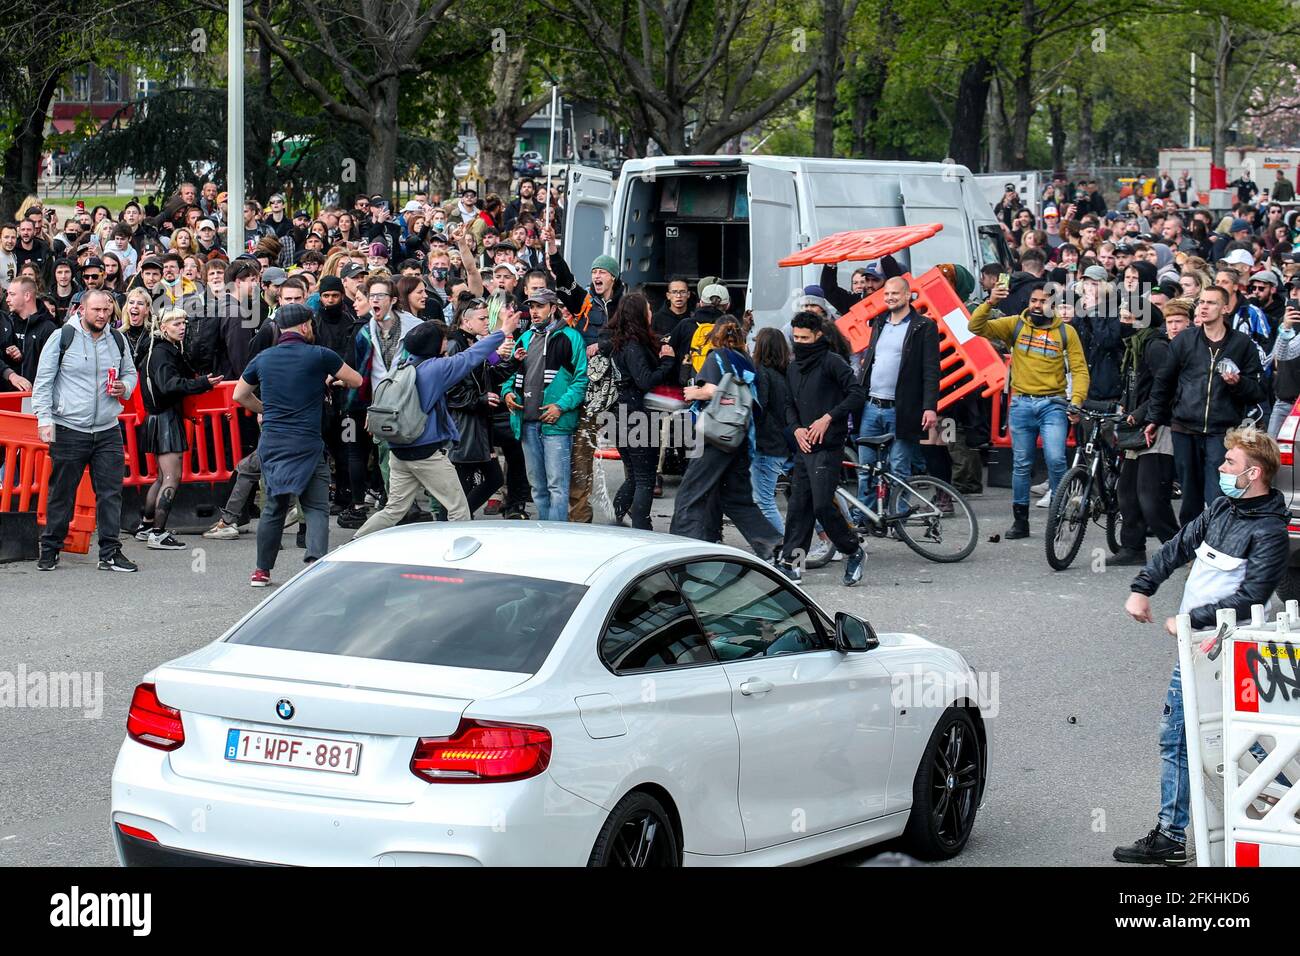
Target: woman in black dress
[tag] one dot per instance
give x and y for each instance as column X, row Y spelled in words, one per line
column 168, row 379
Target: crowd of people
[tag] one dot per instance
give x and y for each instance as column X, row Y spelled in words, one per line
column 446, row 361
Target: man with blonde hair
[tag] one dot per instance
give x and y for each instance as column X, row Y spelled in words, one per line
column 1241, row 547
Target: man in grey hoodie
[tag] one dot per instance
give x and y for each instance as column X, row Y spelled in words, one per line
column 77, row 396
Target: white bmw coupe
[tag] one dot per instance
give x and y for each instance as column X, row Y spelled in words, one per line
column 546, row 694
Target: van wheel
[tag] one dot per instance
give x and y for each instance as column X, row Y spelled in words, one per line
column 945, row 794
column 637, row 833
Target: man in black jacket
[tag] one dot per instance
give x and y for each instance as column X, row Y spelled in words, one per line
column 336, row 328
column 1240, row 545
column 1212, row 378
column 1097, row 322
column 823, row 394
column 900, row 379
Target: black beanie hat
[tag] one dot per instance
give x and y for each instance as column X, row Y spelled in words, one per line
column 331, row 284
column 425, row 340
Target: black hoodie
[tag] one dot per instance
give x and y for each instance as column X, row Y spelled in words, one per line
column 1191, row 395
column 30, row 335
column 822, row 383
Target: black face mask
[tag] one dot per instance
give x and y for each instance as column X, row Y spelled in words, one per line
column 804, row 351
column 1040, row 319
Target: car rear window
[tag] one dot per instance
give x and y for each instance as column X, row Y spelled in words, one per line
column 398, row 612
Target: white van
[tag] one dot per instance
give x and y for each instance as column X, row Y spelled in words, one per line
column 736, row 216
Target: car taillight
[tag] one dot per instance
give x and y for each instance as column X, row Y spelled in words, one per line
column 137, row 833
column 481, row 752
column 1286, row 435
column 153, row 723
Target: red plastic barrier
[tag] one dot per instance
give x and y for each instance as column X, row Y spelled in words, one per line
column 212, row 430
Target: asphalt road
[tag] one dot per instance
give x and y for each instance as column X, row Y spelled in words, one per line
column 1079, row 687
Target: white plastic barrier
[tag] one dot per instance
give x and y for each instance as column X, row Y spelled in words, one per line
column 1251, row 723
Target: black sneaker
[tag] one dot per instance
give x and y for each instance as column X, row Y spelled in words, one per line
column 48, row 561
column 165, row 541
column 1128, row 558
column 118, row 562
column 300, row 539
column 791, row 571
column 1155, row 847
column 853, row 568
column 353, row 518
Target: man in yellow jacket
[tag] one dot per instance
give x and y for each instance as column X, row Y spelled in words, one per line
column 1048, row 374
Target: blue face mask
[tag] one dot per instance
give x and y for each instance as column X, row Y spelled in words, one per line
column 1286, row 332
column 1228, row 485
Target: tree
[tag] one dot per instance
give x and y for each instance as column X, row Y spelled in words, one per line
column 366, row 47
column 836, row 17
column 693, row 74
column 43, row 42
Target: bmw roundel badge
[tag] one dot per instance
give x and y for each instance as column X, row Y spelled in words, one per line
column 284, row 709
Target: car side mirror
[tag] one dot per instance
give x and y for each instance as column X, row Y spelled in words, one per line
column 853, row 634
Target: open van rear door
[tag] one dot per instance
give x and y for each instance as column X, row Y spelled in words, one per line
column 589, row 198
column 772, row 233
column 932, row 198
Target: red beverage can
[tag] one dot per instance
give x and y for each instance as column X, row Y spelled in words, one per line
column 112, row 377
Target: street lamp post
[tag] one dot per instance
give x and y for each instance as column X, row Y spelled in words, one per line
column 235, row 131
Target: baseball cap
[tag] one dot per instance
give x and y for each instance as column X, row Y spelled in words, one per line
column 543, row 296
column 1267, row 276
column 508, row 266
column 92, row 263
column 1051, row 211
column 1111, row 215
column 716, row 291
column 411, row 206
column 274, row 275
column 1123, row 249
column 1170, row 288
column 302, row 214
column 469, row 191
column 151, row 262
column 1096, row 273
column 874, row 272
column 1238, row 225
column 1239, row 257
column 206, row 224
column 351, row 271
column 505, row 244
column 703, row 284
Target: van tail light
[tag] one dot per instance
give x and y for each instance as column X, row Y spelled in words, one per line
column 482, row 752
column 153, row 723
column 1287, row 434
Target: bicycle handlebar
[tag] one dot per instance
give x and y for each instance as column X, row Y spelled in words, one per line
column 1092, row 415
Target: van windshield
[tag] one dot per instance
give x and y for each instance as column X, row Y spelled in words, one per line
column 422, row 615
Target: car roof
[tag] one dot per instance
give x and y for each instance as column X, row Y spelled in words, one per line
column 573, row 553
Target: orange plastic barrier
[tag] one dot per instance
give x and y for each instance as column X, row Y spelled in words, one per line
column 861, row 244
column 26, row 481
column 211, row 429
column 967, row 363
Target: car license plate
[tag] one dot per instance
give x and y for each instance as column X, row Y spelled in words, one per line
column 286, row 750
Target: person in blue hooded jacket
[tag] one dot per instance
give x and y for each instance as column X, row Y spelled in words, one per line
column 424, row 462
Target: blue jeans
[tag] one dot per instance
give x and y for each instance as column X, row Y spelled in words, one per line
column 547, row 459
column 1031, row 417
column 763, row 473
column 1175, row 785
column 905, row 457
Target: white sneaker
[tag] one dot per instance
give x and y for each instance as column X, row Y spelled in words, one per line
column 1044, row 501
column 221, row 532
column 143, row 532
column 164, row 541
column 1039, row 488
column 820, row 549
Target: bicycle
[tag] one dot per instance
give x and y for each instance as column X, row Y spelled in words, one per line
column 1088, row 491
column 928, row 515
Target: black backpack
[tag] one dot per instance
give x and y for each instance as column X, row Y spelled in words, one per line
column 69, row 332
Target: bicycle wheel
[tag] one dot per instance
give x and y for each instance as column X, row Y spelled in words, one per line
column 1114, row 524
column 933, row 519
column 1067, row 518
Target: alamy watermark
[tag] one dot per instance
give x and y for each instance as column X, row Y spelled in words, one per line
column 920, row 687
column 66, row 690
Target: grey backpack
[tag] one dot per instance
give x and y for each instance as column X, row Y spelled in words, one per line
column 724, row 422
column 395, row 414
